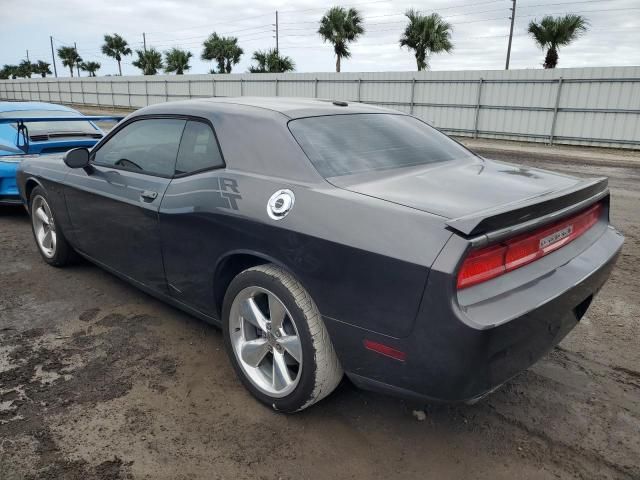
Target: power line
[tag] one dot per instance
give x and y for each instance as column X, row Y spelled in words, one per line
column 565, row 3
column 398, row 14
column 202, row 38
column 265, row 27
column 208, row 25
column 230, row 21
column 586, row 11
column 329, row 6
column 401, row 22
column 315, row 22
column 367, row 24
column 458, row 39
column 250, row 37
column 386, row 44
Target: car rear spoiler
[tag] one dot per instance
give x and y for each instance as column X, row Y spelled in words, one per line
column 22, row 140
column 507, row 219
column 78, row 118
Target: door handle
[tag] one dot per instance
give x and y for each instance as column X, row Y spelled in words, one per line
column 149, row 196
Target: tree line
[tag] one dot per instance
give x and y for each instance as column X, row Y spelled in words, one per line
column 424, row 35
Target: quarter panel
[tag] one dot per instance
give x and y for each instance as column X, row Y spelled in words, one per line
column 364, row 261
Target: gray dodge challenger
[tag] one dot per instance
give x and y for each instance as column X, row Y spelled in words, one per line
column 329, row 238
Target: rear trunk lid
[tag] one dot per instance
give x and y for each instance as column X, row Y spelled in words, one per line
column 477, row 196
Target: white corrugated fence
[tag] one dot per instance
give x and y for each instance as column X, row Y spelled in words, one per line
column 584, row 106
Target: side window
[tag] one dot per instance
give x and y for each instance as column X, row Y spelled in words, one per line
column 198, row 149
column 146, row 146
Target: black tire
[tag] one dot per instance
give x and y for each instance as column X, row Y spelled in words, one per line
column 63, row 254
column 320, row 370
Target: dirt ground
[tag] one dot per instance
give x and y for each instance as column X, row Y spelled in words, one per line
column 100, row 381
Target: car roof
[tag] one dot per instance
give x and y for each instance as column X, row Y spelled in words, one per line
column 28, row 106
column 291, row 107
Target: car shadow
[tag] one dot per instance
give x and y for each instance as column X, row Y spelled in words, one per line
column 13, row 211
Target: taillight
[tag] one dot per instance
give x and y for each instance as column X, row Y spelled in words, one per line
column 489, row 262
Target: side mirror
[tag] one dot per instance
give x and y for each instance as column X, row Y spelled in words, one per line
column 77, row 158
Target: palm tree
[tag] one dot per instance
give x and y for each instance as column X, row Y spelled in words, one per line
column 552, row 33
column 177, row 61
column 42, row 68
column 426, row 34
column 340, row 27
column 223, row 50
column 90, row 67
column 8, row 71
column 149, row 61
column 69, row 57
column 116, row 47
column 270, row 61
column 25, row 69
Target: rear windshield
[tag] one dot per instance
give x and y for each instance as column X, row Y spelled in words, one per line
column 348, row 144
column 52, row 128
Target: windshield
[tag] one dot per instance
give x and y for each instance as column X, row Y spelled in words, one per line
column 357, row 143
column 52, row 128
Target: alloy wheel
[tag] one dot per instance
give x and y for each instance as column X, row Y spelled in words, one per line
column 265, row 341
column 43, row 226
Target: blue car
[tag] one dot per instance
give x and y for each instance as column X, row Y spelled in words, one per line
column 37, row 128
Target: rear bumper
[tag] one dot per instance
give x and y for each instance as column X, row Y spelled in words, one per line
column 451, row 359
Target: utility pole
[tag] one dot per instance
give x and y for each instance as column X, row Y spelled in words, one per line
column 277, row 45
column 513, row 19
column 28, row 57
column 77, row 63
column 53, row 57
column 144, row 42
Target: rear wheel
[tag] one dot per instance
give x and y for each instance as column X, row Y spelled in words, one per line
column 276, row 340
column 52, row 244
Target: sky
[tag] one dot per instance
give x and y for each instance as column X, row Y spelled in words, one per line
column 480, row 31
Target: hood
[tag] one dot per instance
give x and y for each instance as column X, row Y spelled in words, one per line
column 458, row 188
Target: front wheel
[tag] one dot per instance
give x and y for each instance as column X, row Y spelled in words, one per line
column 277, row 341
column 52, row 244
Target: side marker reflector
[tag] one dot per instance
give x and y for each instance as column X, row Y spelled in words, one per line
column 385, row 350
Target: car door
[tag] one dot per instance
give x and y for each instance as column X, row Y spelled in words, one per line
column 194, row 216
column 113, row 205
